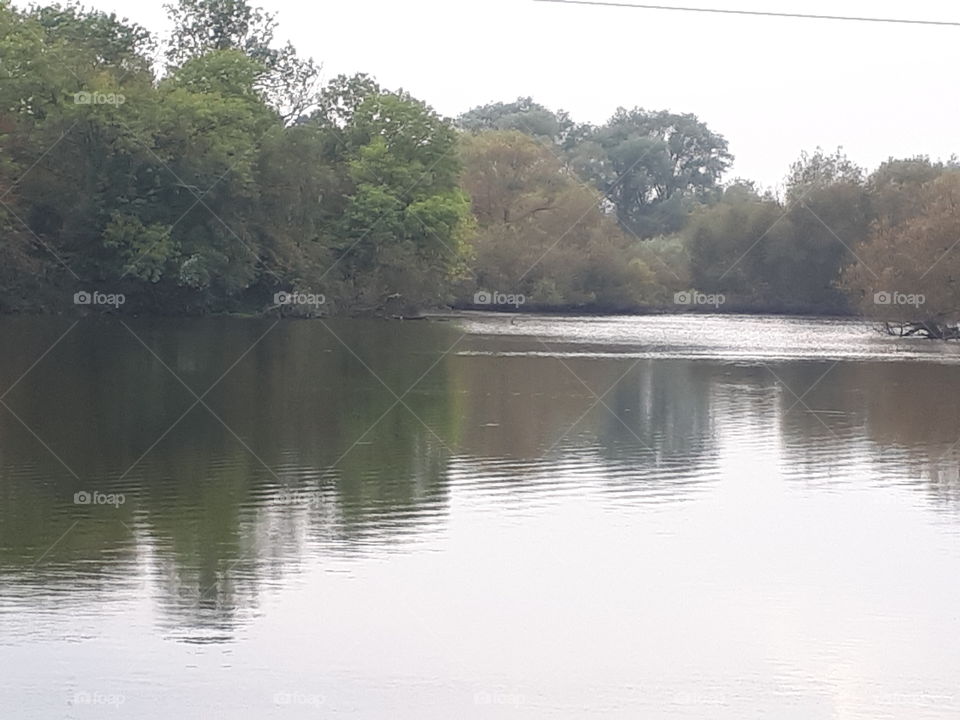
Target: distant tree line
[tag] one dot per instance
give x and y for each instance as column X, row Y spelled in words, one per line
column 214, row 170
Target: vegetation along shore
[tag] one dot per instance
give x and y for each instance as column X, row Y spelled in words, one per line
column 212, row 171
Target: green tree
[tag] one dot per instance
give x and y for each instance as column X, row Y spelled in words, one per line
column 405, row 220
column 653, row 166
column 79, row 167
column 203, row 26
column 288, row 82
column 526, row 116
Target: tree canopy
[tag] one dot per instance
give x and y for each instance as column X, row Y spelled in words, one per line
column 231, row 174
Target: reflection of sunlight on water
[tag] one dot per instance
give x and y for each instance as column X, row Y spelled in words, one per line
column 500, row 485
column 721, row 337
column 905, row 697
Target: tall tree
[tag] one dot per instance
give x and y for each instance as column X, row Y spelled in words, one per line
column 203, row 26
column 526, row 116
column 653, row 166
column 818, row 170
column 288, row 82
column 829, row 209
column 405, row 219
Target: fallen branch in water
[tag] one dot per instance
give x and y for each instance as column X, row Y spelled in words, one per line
column 928, row 329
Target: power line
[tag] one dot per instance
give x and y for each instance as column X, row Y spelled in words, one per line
column 718, row 11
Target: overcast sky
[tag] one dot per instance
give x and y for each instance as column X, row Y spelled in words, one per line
column 772, row 86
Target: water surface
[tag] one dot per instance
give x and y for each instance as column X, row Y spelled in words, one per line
column 665, row 517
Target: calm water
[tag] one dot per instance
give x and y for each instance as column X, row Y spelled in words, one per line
column 694, row 517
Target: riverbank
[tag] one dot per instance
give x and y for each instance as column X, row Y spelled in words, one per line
column 321, row 310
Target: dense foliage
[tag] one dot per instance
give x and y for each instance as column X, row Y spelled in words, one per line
column 198, row 190
column 212, row 171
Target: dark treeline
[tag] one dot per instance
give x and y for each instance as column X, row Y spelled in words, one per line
column 210, row 171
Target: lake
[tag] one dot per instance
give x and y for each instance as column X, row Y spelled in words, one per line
column 488, row 516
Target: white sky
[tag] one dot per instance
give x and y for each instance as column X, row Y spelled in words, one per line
column 772, row 86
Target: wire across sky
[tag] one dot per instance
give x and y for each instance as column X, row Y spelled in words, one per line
column 762, row 13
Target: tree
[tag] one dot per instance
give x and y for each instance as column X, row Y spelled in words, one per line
column 296, row 176
column 204, row 132
column 288, row 82
column 20, row 261
column 203, row 26
column 101, row 39
column 908, row 269
column 526, row 116
column 829, row 211
column 784, row 257
column 653, row 166
column 405, row 219
column 818, row 170
column 895, row 186
column 56, row 62
column 341, row 98
column 730, row 248
column 543, row 234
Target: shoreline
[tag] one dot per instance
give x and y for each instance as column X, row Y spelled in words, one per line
column 451, row 314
